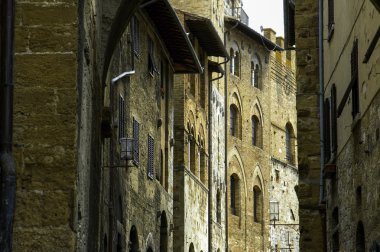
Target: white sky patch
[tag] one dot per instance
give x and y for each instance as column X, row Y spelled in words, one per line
column 266, row 13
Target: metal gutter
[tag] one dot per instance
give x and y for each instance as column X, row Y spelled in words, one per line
column 7, row 164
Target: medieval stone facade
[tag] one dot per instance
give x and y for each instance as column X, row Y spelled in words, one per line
column 338, row 106
column 151, row 126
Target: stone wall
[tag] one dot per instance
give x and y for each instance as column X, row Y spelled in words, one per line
column 45, row 120
column 352, row 190
column 311, row 221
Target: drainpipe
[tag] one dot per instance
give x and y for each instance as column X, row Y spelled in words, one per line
column 321, row 101
column 210, row 158
column 226, row 132
column 7, row 164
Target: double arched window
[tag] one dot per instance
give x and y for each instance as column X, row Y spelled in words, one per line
column 256, row 72
column 235, row 60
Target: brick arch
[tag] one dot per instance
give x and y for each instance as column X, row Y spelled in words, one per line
column 235, row 98
column 257, row 108
column 234, row 153
column 258, row 179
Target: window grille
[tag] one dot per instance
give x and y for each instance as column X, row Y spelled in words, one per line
column 150, row 166
column 136, row 133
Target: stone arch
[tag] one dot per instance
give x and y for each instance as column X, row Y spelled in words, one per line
column 257, row 108
column 234, row 153
column 257, row 174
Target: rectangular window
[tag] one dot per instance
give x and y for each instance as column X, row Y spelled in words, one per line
column 136, row 35
column 151, row 65
column 150, row 166
column 121, row 117
column 330, row 17
column 136, row 129
column 355, row 79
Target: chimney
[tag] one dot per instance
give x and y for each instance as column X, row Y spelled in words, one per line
column 270, row 34
column 282, row 55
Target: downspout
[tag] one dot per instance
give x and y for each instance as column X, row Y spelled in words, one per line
column 321, row 101
column 7, row 164
column 322, row 122
column 226, row 132
column 112, row 224
column 210, row 153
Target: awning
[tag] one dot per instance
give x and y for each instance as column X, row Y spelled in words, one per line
column 206, row 34
column 173, row 35
column 253, row 34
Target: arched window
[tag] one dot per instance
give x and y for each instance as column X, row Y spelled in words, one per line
column 192, row 152
column 218, row 207
column 232, row 61
column 133, row 240
column 256, row 132
column 237, row 64
column 191, row 248
column 235, row 194
column 163, row 233
column 257, row 204
column 256, row 72
column 360, row 238
column 203, row 166
column 289, row 143
column 233, row 120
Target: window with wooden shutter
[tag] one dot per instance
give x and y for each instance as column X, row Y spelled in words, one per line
column 327, row 131
column 121, row 117
column 150, row 166
column 334, row 140
column 330, row 18
column 136, row 132
column 355, row 79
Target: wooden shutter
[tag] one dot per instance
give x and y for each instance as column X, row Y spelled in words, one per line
column 136, row 129
column 150, row 166
column 355, row 79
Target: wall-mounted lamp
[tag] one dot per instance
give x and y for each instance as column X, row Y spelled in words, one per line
column 126, row 148
column 274, row 212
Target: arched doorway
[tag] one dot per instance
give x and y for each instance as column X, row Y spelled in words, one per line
column 133, row 240
column 163, row 233
column 360, row 238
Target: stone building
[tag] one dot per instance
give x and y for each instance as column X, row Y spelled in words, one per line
column 338, row 189
column 261, row 124
column 79, row 97
column 122, row 127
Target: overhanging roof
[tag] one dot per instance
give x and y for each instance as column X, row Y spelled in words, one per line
column 173, row 35
column 253, row 34
column 206, row 34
